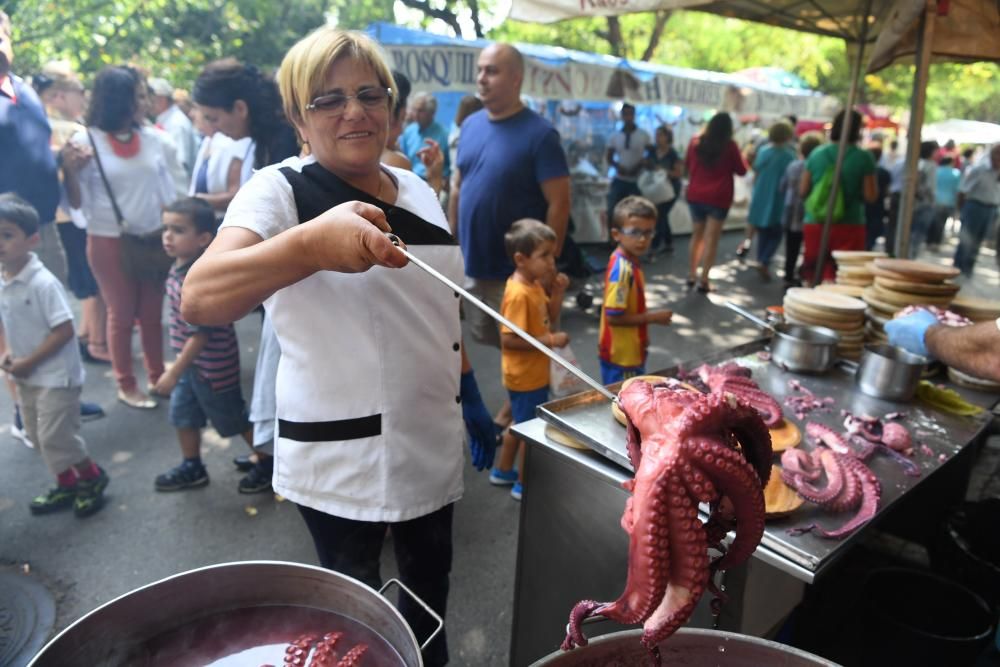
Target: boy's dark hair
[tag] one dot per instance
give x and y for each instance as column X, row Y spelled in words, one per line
column 525, row 235
column 632, row 206
column 198, row 210
column 18, row 212
column 947, row 161
column 809, row 142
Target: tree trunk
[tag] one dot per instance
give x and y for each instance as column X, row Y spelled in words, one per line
column 654, row 38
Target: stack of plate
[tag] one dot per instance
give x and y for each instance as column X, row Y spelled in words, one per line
column 976, row 309
column 843, row 314
column 904, row 282
column 853, row 270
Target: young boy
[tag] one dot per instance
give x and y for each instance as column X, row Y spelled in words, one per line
column 204, row 381
column 40, row 352
column 623, row 339
column 531, row 246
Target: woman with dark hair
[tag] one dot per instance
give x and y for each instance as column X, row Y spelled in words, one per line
column 858, row 185
column 121, row 189
column 244, row 104
column 713, row 159
column 663, row 156
column 391, row 155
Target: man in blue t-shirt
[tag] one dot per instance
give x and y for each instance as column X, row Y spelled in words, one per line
column 414, row 137
column 510, row 165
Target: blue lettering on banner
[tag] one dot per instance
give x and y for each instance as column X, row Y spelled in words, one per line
column 436, row 67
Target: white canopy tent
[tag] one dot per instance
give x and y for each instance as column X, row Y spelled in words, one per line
column 962, row 132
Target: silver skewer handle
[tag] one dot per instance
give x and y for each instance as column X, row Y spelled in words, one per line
column 597, row 386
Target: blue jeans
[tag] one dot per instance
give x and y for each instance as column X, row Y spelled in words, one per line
column 664, row 235
column 768, row 240
column 193, row 403
column 618, row 190
column 977, row 218
column 923, row 218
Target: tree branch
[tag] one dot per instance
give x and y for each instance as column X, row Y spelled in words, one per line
column 448, row 17
column 474, row 8
column 614, row 36
column 654, row 39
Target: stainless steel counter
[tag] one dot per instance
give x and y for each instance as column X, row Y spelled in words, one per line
column 571, row 545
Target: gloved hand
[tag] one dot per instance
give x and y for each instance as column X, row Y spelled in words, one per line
column 908, row 332
column 478, row 422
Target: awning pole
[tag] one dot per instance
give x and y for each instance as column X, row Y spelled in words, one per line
column 925, row 41
column 852, row 96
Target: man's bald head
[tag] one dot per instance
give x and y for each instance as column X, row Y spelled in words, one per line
column 499, row 78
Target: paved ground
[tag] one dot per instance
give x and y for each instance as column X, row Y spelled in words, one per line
column 143, row 536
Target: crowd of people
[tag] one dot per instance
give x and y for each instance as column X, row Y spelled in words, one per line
column 277, row 193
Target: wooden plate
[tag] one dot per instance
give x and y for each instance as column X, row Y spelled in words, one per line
column 904, row 299
column 855, row 256
column 555, row 435
column 976, row 308
column 971, row 381
column 652, row 379
column 779, row 498
column 850, row 271
column 791, row 319
column 872, row 299
column 886, row 273
column 822, row 319
column 785, row 436
column 855, row 282
column 840, row 288
column 930, row 289
column 918, row 271
column 823, row 300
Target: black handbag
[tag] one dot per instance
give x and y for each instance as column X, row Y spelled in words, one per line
column 142, row 256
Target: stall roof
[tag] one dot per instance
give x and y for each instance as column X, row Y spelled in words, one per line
column 834, row 18
column 962, row 132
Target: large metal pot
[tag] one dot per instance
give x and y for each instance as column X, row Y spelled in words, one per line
column 688, row 646
column 112, row 634
column 798, row 348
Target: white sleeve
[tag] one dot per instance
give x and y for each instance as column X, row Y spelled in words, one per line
column 265, row 205
column 52, row 299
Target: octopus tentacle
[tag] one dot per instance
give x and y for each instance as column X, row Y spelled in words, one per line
column 798, row 463
column 353, row 657
column 910, row 467
column 834, row 480
column 581, row 611
column 824, row 435
column 718, row 416
column 871, row 492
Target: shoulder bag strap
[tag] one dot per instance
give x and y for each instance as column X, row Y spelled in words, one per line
column 104, row 179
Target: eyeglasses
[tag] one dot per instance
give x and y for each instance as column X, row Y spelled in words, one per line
column 336, row 103
column 636, row 233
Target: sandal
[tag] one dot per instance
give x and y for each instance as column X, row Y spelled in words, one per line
column 705, row 288
column 690, row 282
column 136, row 400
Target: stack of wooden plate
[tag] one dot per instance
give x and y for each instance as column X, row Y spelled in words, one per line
column 853, row 271
column 843, row 314
column 904, row 282
column 976, row 309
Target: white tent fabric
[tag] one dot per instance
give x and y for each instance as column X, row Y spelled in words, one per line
column 962, row 132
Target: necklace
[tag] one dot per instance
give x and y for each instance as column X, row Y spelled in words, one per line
column 124, row 148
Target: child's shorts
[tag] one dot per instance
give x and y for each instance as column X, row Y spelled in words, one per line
column 193, row 404
column 523, row 403
column 611, row 373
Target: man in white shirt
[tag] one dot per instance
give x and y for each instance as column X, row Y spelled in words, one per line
column 626, row 154
column 978, row 201
column 175, row 122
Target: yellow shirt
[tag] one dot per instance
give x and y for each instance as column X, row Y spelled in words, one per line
column 527, row 306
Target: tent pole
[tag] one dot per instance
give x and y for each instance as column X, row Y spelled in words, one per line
column 925, row 41
column 852, row 95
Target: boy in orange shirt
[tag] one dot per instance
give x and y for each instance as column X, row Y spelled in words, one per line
column 623, row 341
column 531, row 246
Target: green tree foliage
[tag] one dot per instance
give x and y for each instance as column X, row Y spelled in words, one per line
column 171, row 38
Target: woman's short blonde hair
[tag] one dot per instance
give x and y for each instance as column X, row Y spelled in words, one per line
column 302, row 75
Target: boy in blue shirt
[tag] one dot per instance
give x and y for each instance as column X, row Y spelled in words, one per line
column 41, row 354
column 204, row 381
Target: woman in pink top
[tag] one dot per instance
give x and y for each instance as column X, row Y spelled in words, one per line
column 712, row 160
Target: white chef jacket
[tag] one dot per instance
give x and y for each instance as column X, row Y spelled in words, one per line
column 369, row 417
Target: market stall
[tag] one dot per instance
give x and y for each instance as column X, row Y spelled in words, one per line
column 572, row 546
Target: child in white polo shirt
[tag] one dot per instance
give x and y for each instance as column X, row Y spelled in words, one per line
column 41, row 354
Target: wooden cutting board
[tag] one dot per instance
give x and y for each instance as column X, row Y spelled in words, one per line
column 840, row 288
column 918, row 271
column 976, row 308
column 872, row 299
column 856, row 256
column 824, row 300
column 929, row 289
column 903, row 299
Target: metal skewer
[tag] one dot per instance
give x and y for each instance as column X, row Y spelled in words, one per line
column 503, row 320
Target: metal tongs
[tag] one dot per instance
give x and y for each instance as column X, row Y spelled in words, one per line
column 534, row 342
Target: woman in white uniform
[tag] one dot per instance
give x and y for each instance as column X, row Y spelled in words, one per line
column 372, row 384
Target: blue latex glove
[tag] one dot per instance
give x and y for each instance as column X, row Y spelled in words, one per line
column 478, row 422
column 908, row 332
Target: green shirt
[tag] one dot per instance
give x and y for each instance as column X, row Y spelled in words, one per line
column 858, row 163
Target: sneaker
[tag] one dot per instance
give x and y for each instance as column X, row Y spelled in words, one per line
column 185, row 476
column 258, row 480
column 90, row 495
column 244, row 463
column 90, row 411
column 58, row 498
column 501, row 478
column 516, row 491
column 20, row 434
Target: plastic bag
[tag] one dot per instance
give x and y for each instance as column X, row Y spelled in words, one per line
column 656, row 186
column 562, row 383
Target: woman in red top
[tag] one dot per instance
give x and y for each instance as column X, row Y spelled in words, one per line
column 712, row 160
